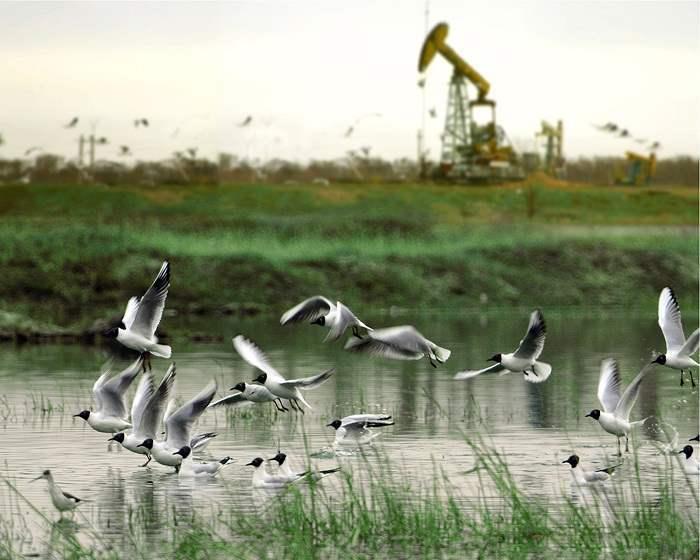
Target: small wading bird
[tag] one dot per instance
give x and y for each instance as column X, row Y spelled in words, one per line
column 355, row 429
column 62, row 501
column 190, row 469
column 678, row 349
column 137, row 328
column 108, row 393
column 584, row 478
column 249, row 394
column 318, row 310
column 524, row 359
column 287, row 389
column 399, row 343
column 146, row 412
column 615, row 416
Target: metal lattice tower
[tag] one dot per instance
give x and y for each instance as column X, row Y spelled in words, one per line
column 456, row 136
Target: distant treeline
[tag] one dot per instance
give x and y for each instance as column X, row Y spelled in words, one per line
column 356, row 167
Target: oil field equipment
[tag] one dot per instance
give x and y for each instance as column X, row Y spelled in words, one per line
column 640, row 169
column 472, row 151
column 553, row 138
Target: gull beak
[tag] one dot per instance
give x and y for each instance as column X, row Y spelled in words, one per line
column 681, row 451
column 329, row 425
column 588, row 416
column 176, row 453
column 111, row 439
column 249, row 464
column 76, row 415
column 565, row 461
column 37, row 478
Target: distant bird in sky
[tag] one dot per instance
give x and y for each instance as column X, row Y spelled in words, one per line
column 678, row 349
column 365, row 150
column 62, row 501
column 33, row 149
column 607, row 127
column 421, row 83
column 349, row 131
column 192, row 152
column 399, row 343
column 524, row 358
column 655, row 146
column 124, row 151
column 358, row 120
column 432, row 112
column 246, row 121
column 624, row 133
column 73, row 122
column 318, row 310
column 584, row 478
column 140, row 122
column 102, row 140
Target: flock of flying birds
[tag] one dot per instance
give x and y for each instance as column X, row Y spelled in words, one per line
column 621, row 132
column 152, row 403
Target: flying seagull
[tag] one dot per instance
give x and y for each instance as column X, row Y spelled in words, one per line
column 524, row 359
column 124, row 151
column 73, row 122
column 246, row 121
column 137, row 328
column 615, row 416
column 318, row 310
column 678, row 349
column 29, row 151
column 399, row 343
column 355, row 429
column 249, row 394
column 140, row 122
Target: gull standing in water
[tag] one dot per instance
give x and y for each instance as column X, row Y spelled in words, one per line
column 189, row 469
column 690, row 465
column 318, row 310
column 284, row 470
column 287, row 389
column 146, row 412
column 584, row 478
column 399, row 343
column 137, row 328
column 177, row 428
column 108, row 392
column 615, row 416
column 62, row 501
column 524, row 359
column 678, row 349
column 355, row 429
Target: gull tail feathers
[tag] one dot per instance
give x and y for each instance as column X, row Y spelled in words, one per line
column 542, row 372
column 442, row 354
column 639, row 423
column 161, row 350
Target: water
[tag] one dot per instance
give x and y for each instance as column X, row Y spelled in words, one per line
column 535, row 426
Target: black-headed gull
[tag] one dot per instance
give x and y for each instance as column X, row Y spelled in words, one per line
column 690, row 465
column 318, row 310
column 584, row 478
column 248, row 394
column 355, row 429
column 188, row 468
column 399, row 343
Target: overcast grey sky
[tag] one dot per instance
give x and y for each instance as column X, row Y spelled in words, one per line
column 306, row 71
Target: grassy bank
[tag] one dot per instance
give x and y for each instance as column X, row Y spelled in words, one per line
column 71, row 254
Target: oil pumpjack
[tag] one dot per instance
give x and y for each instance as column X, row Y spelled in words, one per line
column 472, row 151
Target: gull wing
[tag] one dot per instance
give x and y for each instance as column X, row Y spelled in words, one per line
column 111, row 392
column 153, row 410
column 670, row 320
column 468, row 374
column 308, row 383
column 143, row 394
column 357, row 421
column 236, row 400
column 71, row 497
column 150, row 307
column 533, row 342
column 541, row 373
column 398, row 343
column 346, row 318
column 609, row 385
column 255, row 357
column 691, row 345
column 308, row 310
column 130, row 312
column 629, row 397
column 179, row 423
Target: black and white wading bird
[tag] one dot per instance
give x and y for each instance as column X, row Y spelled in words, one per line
column 615, row 416
column 584, row 478
column 318, row 310
column 678, row 349
column 399, row 343
column 146, row 412
column 355, row 429
column 524, row 359
column 62, row 501
column 287, row 389
column 137, row 328
column 110, row 416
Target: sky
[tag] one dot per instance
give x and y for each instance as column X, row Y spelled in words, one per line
column 307, row 71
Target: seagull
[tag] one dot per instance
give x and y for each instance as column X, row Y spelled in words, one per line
column 246, row 121
column 188, row 468
column 124, row 151
column 678, row 349
column 146, row 412
column 655, row 145
column 524, row 359
column 284, row 470
column 355, row 429
column 432, row 113
column 72, row 123
column 319, row 310
column 199, row 442
column 140, row 122
column 108, row 392
column 192, row 152
column 248, row 394
column 273, row 380
column 29, row 151
column 177, row 428
column 349, row 131
column 264, row 479
column 691, row 465
column 584, row 478
column 137, row 328
column 399, row 343
column 62, row 501
column 624, row 133
column 615, row 416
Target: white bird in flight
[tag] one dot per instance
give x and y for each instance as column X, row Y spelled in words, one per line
column 584, row 478
column 62, row 501
column 355, row 429
column 399, row 343
column 108, row 392
column 615, row 416
column 678, row 349
column 146, row 412
column 249, row 394
column 318, row 310
column 287, row 389
column 137, row 328
column 524, row 359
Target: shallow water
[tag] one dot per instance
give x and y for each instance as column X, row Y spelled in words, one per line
column 535, row 426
